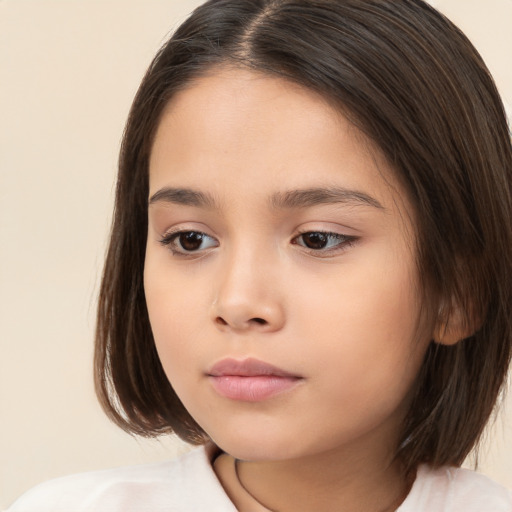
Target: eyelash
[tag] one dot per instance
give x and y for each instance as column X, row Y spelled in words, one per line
column 344, row 242
column 169, row 240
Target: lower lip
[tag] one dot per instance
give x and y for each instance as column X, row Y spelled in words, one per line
column 252, row 389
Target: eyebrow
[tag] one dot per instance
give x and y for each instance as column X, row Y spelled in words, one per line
column 183, row 196
column 291, row 199
column 329, row 195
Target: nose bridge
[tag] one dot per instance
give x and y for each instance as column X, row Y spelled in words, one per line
column 247, row 294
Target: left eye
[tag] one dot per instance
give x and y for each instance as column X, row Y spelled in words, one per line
column 321, row 241
column 184, row 242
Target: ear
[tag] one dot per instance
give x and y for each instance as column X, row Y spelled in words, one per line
column 454, row 326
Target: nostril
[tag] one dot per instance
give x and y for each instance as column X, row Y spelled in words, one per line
column 240, row 324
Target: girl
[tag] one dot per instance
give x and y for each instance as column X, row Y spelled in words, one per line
column 309, row 272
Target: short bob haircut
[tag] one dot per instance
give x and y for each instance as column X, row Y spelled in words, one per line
column 416, row 87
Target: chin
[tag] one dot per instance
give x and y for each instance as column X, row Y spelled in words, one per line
column 257, row 448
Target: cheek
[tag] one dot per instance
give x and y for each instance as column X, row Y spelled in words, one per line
column 175, row 327
column 366, row 323
column 369, row 297
column 174, row 308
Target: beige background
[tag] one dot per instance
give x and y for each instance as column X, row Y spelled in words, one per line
column 68, row 72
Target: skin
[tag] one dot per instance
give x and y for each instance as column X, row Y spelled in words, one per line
column 345, row 318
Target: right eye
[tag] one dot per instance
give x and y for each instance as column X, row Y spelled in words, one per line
column 187, row 242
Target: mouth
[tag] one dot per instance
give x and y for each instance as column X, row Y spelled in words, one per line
column 250, row 380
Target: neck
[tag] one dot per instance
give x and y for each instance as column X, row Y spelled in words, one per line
column 363, row 478
column 362, row 475
column 324, row 485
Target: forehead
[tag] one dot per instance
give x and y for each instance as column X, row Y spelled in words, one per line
column 268, row 135
column 231, row 104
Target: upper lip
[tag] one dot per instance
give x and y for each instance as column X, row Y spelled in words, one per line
column 247, row 368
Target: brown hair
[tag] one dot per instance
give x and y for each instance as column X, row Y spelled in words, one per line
column 414, row 84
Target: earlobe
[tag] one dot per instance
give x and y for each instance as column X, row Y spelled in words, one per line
column 454, row 327
column 445, row 335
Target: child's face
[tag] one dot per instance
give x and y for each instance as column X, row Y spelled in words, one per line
column 297, row 250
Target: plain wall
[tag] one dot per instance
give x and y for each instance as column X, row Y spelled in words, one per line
column 68, row 73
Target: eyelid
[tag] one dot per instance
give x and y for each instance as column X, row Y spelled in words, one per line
column 347, row 241
column 167, row 239
column 182, row 227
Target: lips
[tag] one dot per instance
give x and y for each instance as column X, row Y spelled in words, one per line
column 250, row 380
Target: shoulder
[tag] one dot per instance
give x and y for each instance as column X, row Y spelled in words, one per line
column 456, row 490
column 187, row 483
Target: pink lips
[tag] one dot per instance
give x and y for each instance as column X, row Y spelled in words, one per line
column 250, row 380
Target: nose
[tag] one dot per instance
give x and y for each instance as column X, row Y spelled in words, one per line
column 249, row 296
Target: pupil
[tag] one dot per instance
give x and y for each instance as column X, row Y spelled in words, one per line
column 191, row 241
column 315, row 240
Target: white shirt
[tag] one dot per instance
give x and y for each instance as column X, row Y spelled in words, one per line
column 188, row 484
